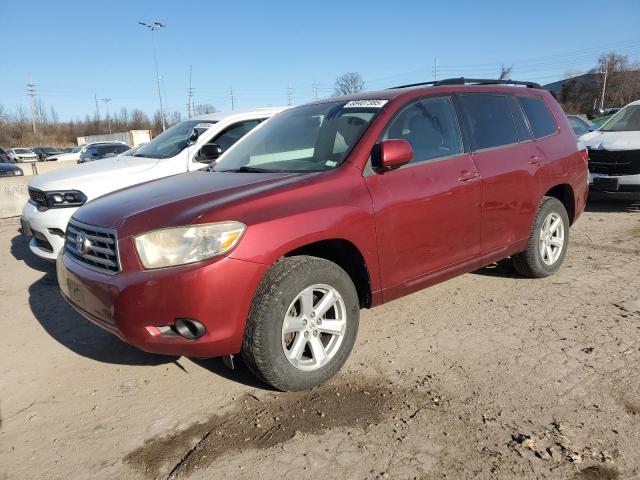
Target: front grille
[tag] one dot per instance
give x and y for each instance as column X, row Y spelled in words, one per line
column 97, row 247
column 38, row 198
column 625, row 162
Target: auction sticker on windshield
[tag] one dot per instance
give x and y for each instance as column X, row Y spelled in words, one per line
column 365, row 104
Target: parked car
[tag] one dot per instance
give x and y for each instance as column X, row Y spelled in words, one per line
column 187, row 146
column 22, row 155
column 68, row 149
column 581, row 125
column 327, row 208
column 44, row 153
column 73, row 155
column 614, row 152
column 10, row 170
column 5, row 157
column 99, row 151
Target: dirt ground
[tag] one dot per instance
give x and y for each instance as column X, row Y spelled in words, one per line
column 486, row 376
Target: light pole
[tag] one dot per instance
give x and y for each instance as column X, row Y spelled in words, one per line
column 106, row 103
column 153, row 27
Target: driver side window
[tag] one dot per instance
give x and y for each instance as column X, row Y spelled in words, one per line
column 226, row 139
column 431, row 128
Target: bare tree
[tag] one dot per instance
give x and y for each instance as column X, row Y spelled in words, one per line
column 204, row 108
column 349, row 83
column 505, row 72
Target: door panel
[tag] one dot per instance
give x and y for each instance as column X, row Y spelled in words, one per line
column 426, row 217
column 510, row 192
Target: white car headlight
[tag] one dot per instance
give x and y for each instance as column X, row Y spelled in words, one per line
column 181, row 245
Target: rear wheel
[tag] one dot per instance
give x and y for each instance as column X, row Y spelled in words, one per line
column 302, row 324
column 547, row 243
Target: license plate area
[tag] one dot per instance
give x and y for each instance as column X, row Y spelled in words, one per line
column 605, row 184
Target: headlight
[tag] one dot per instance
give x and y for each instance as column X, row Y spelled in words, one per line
column 178, row 246
column 66, row 198
column 18, row 172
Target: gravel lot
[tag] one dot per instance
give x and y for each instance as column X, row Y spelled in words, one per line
column 487, row 376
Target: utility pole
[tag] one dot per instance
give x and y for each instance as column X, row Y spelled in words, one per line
column 190, row 95
column 435, row 69
column 315, row 88
column 106, row 103
column 289, row 92
column 31, row 91
column 95, row 96
column 153, row 27
column 233, row 103
column 604, row 85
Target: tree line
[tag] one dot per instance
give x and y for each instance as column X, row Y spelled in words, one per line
column 580, row 94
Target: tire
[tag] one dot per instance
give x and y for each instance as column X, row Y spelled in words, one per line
column 532, row 262
column 273, row 355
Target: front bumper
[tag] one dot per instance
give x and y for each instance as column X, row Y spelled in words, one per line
column 134, row 304
column 45, row 228
column 617, row 183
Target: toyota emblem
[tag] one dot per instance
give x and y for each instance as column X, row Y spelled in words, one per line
column 81, row 243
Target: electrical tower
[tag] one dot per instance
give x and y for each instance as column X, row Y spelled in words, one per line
column 31, row 91
column 106, row 103
column 190, row 94
column 289, row 94
column 233, row 103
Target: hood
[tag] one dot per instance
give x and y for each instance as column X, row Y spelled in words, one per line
column 177, row 200
column 65, row 156
column 95, row 178
column 8, row 166
column 25, row 155
column 613, row 141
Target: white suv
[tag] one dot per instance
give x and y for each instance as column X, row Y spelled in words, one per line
column 190, row 145
column 614, row 152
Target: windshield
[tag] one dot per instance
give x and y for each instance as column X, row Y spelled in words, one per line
column 626, row 120
column 23, row 151
column 173, row 141
column 51, row 150
column 77, row 149
column 311, row 138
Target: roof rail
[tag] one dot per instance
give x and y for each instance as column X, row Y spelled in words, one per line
column 471, row 81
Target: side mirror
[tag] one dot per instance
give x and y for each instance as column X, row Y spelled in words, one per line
column 391, row 154
column 193, row 136
column 209, row 152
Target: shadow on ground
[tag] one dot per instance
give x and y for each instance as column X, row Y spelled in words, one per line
column 79, row 335
column 613, row 202
column 502, row 268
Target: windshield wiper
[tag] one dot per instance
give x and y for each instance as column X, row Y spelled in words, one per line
column 247, row 169
column 142, row 155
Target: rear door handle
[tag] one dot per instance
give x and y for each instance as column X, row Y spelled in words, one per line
column 535, row 160
column 467, row 175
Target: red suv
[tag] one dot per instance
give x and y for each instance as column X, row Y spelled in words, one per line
column 327, row 208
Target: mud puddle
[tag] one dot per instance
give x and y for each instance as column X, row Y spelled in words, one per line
column 261, row 423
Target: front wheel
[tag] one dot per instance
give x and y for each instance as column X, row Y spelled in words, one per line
column 302, row 324
column 547, row 243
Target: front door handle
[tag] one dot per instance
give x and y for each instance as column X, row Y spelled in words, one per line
column 535, row 160
column 468, row 175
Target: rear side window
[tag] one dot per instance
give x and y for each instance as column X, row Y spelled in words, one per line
column 540, row 117
column 518, row 118
column 430, row 126
column 490, row 120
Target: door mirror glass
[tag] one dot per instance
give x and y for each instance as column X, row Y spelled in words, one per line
column 391, row 154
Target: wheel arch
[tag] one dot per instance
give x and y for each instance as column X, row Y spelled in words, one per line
column 347, row 256
column 564, row 193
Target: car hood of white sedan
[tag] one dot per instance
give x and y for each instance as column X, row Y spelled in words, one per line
column 97, row 177
column 65, row 156
column 613, row 141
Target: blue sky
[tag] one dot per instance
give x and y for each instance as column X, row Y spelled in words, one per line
column 73, row 49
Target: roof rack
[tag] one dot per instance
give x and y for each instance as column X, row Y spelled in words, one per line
column 470, row 81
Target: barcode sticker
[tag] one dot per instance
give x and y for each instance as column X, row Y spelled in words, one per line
column 366, row 104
